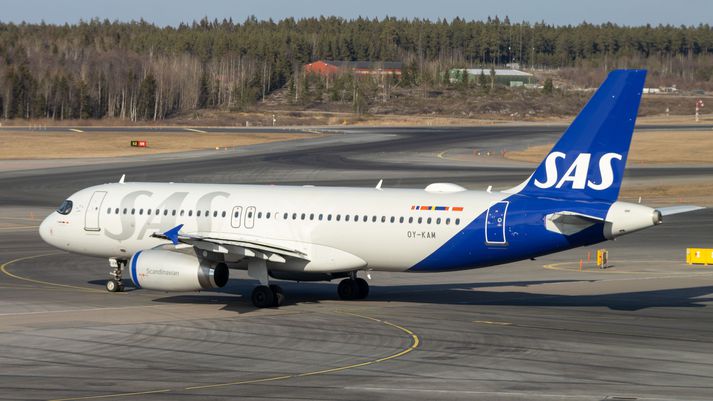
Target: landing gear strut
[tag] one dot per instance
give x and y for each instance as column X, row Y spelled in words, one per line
column 353, row 288
column 115, row 284
column 265, row 295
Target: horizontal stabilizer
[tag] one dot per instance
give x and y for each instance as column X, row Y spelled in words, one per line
column 667, row 211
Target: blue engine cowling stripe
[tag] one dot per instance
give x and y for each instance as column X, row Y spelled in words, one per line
column 134, row 276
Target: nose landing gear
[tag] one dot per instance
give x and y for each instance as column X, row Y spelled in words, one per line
column 115, row 284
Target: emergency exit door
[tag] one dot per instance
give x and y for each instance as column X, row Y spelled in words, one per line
column 495, row 224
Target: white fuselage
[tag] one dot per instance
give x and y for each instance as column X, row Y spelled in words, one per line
column 341, row 229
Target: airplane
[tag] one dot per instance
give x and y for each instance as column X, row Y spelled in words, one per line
column 187, row 237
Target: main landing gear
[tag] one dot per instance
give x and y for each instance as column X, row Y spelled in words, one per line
column 115, row 284
column 353, row 288
column 265, row 295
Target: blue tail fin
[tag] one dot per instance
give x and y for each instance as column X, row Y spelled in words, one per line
column 588, row 161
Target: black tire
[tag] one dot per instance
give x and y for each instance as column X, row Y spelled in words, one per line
column 278, row 294
column 363, row 288
column 263, row 297
column 113, row 285
column 348, row 289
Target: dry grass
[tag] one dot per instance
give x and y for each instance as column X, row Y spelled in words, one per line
column 670, row 147
column 37, row 145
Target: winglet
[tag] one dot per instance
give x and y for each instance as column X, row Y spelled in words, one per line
column 121, row 180
column 378, row 186
column 172, row 234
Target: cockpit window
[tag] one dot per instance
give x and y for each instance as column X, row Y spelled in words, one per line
column 65, row 207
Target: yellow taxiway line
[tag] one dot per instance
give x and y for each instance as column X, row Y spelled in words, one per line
column 415, row 342
column 4, row 270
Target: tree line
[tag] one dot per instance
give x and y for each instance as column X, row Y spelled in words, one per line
column 140, row 71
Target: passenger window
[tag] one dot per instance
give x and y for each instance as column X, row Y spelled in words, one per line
column 356, row 217
column 165, row 212
column 383, row 219
column 182, row 212
column 259, row 215
column 339, row 216
column 428, row 221
column 236, row 215
column 190, row 213
column 207, row 213
column 158, row 211
column 320, row 217
column 267, row 215
column 116, row 211
column 133, row 211
column 148, row 212
column 401, row 219
column 173, row 212
column 457, row 222
column 294, row 216
column 250, row 215
column 373, row 219
column 392, row 219
column 198, row 213
column 141, row 212
column 438, row 220
column 346, row 217
column 448, row 221
column 420, row 219
column 329, row 217
column 223, row 214
column 108, row 210
column 302, row 216
column 365, row 218
column 410, row 220
column 311, row 216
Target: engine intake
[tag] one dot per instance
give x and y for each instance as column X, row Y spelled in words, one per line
column 164, row 270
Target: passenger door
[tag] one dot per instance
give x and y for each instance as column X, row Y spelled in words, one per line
column 495, row 224
column 91, row 216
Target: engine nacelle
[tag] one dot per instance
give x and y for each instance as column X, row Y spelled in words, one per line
column 163, row 270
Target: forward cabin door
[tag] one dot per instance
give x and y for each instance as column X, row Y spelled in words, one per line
column 495, row 224
column 91, row 217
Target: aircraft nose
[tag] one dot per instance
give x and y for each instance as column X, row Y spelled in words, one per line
column 46, row 230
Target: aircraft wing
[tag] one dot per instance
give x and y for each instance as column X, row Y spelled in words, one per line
column 249, row 248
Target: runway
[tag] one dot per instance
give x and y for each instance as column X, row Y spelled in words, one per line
column 535, row 330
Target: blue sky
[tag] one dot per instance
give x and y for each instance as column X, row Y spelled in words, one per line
column 172, row 12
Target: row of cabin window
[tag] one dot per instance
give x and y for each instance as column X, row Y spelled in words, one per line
column 302, row 216
column 356, row 217
column 165, row 212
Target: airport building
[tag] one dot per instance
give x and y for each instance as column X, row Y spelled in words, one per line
column 330, row 67
column 504, row 76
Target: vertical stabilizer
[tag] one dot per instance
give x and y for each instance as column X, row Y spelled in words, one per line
column 588, row 161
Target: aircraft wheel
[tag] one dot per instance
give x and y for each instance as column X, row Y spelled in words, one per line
column 277, row 294
column 363, row 288
column 114, row 286
column 348, row 289
column 263, row 297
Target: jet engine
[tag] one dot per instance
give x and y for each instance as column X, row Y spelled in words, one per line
column 164, row 270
